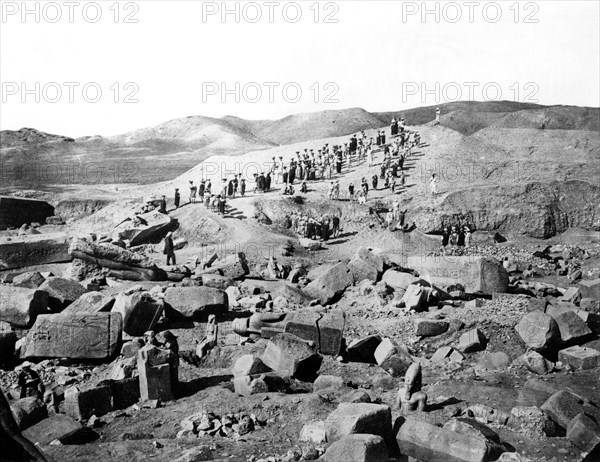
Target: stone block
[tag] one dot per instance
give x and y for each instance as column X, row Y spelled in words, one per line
column 430, row 327
column 62, row 292
column 357, row 448
column 20, row 306
column 195, row 303
column 539, row 331
column 74, row 336
column 82, row 404
column 580, row 357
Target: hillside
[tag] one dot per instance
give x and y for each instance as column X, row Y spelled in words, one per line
column 34, row 159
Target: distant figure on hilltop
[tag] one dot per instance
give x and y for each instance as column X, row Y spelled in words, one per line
column 438, row 112
column 176, row 198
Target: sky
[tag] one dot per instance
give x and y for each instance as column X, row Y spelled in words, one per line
column 80, row 68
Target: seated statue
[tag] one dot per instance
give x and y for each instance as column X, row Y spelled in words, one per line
column 410, row 397
column 210, row 339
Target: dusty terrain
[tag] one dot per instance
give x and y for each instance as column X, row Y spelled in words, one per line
column 529, row 174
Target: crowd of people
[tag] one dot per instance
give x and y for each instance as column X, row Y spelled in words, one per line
column 322, row 228
column 456, row 236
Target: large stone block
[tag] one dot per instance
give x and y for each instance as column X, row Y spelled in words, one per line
column 398, row 280
column 290, row 355
column 563, row 406
column 248, row 365
column 140, row 312
column 430, row 327
column 82, row 404
column 415, row 298
column 352, row 418
column 156, row 225
column 365, row 265
column 590, row 288
column 580, row 357
column 29, row 279
column 59, row 427
column 357, row 448
column 195, row 302
column 363, row 350
column 17, row 211
column 424, row 441
column 476, row 274
column 539, row 331
column 74, row 336
column 331, row 285
column 571, row 326
column 91, row 302
column 33, row 249
column 28, row 412
column 20, row 306
column 62, row 292
column 584, row 432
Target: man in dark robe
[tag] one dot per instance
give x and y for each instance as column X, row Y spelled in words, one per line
column 268, row 181
column 176, row 198
column 202, row 190
column 169, row 249
column 162, row 208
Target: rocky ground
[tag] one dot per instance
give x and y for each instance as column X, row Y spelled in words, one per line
column 501, row 376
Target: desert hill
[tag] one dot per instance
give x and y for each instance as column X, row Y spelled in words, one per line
column 32, row 158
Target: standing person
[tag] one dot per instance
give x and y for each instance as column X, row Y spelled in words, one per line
column 351, row 191
column 437, row 116
column 162, row 208
column 268, row 182
column 169, row 249
column 192, row 192
column 402, row 179
column 202, row 190
column 243, row 187
column 303, row 187
column 454, row 237
column 467, row 231
column 370, row 155
column 375, row 181
column 176, row 198
column 445, row 237
column 433, row 184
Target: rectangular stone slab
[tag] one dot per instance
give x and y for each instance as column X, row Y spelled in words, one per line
column 75, row 336
column 476, row 274
column 424, row 441
column 34, row 249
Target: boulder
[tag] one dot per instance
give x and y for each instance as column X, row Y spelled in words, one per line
column 476, row 274
column 20, row 306
column 580, row 357
column 91, row 302
column 496, row 360
column 195, row 303
column 28, row 411
column 30, row 280
column 365, row 265
column 309, row 244
column 584, row 432
column 571, row 295
column 233, row 266
column 532, row 421
column 398, row 280
column 535, row 363
column 424, row 441
column 74, row 336
column 33, row 249
column 82, row 404
column 571, row 326
column 590, row 305
column 447, row 353
column 415, row 298
column 590, row 288
column 59, row 427
column 430, row 327
column 217, row 281
column 357, row 448
column 472, row 340
column 363, row 350
column 290, row 355
column 355, row 396
column 539, row 331
column 563, row 406
column 140, row 312
column 328, row 382
column 331, row 285
column 471, row 427
column 352, row 418
column 393, row 357
column 248, row 365
column 314, row 432
column 149, row 227
column 62, row 292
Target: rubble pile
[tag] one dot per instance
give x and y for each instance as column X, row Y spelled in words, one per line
column 435, row 360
